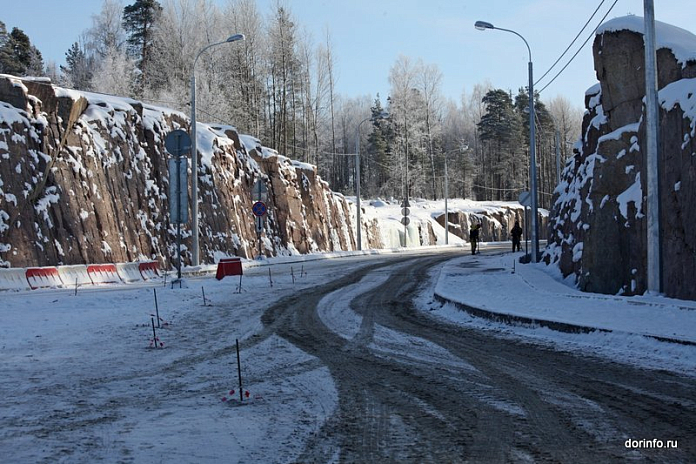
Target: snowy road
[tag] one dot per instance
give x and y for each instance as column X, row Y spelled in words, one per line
column 351, row 362
column 412, row 388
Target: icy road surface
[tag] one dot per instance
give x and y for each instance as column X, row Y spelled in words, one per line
column 412, row 388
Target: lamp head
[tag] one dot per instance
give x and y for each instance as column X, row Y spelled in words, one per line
column 236, row 37
column 483, row 25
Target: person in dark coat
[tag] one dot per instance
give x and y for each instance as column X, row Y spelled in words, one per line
column 474, row 237
column 516, row 233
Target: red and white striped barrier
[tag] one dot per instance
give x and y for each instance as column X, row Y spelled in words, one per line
column 43, row 277
column 103, row 273
column 149, row 270
column 74, row 275
column 13, row 279
column 79, row 274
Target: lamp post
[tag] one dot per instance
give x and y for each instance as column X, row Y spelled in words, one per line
column 482, row 26
column 654, row 263
column 194, row 151
column 382, row 115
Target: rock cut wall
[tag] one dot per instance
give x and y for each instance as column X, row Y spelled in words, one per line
column 597, row 230
column 84, row 179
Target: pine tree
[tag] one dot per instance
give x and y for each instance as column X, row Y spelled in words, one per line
column 78, row 68
column 139, row 20
column 378, row 146
column 17, row 55
column 545, row 144
column 500, row 132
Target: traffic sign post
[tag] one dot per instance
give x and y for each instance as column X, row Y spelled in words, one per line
column 259, row 209
column 178, row 143
column 525, row 199
column 405, row 211
column 260, row 191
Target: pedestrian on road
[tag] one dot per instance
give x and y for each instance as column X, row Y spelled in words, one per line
column 474, row 237
column 516, row 233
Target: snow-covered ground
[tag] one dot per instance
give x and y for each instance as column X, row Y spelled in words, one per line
column 82, row 383
column 630, row 329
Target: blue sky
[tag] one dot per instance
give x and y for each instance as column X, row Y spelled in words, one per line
column 369, row 35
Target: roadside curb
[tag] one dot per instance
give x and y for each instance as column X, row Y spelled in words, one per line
column 511, row 319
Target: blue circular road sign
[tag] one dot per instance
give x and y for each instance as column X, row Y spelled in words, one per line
column 259, row 208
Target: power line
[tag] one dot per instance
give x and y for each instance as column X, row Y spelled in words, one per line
column 571, row 43
column 579, row 49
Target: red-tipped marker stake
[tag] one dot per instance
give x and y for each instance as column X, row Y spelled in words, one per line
column 154, row 334
column 239, row 371
column 156, row 308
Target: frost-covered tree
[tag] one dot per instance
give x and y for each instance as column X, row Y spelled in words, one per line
column 283, row 67
column 105, row 43
column 114, row 74
column 429, row 83
column 107, row 32
column 246, row 62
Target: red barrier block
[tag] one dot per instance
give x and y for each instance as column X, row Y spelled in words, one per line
column 103, row 273
column 149, row 269
column 43, row 277
column 229, row 267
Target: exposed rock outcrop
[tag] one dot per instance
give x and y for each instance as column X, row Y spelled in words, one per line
column 597, row 229
column 496, row 223
column 84, row 179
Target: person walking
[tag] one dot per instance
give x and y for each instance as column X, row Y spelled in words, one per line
column 516, row 233
column 474, row 237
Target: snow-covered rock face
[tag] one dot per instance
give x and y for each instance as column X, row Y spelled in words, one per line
column 84, row 179
column 597, row 229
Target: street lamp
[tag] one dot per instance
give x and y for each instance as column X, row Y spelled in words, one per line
column 382, row 115
column 194, row 150
column 482, row 26
column 654, row 263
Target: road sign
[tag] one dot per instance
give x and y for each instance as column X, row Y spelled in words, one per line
column 177, row 142
column 405, row 211
column 405, row 220
column 525, row 198
column 259, row 224
column 178, row 191
column 259, row 208
column 405, row 203
column 260, row 191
